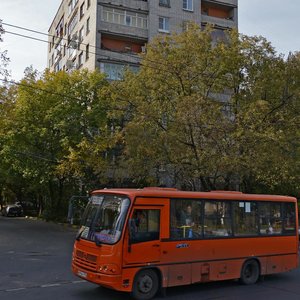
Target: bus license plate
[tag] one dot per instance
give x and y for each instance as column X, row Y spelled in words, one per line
column 82, row 274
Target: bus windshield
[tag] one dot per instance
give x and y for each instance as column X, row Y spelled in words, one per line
column 104, row 218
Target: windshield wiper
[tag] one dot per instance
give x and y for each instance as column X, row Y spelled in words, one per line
column 98, row 242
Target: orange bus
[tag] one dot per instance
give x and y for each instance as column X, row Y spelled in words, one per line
column 143, row 241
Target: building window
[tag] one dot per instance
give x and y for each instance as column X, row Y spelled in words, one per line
column 116, row 71
column 72, row 23
column 81, row 33
column 87, row 52
column 87, row 26
column 58, row 66
column 188, row 5
column 58, row 51
column 59, row 30
column 124, row 17
column 80, row 59
column 165, row 3
column 163, row 24
column 81, row 10
column 113, row 71
column 72, row 5
column 128, row 20
column 185, row 25
column 71, row 52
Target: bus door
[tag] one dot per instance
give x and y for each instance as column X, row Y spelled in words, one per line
column 143, row 235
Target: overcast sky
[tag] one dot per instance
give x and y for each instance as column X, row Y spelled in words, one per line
column 276, row 20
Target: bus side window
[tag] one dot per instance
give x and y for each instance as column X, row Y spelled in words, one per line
column 217, row 219
column 144, row 225
column 185, row 219
column 245, row 218
column 270, row 219
column 289, row 218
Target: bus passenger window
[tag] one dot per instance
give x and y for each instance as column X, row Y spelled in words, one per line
column 245, row 218
column 185, row 220
column 217, row 219
column 289, row 218
column 270, row 220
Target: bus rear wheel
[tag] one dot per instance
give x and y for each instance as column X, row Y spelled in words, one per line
column 250, row 272
column 145, row 285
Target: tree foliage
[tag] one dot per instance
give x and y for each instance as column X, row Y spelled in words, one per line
column 207, row 115
column 49, row 119
column 200, row 114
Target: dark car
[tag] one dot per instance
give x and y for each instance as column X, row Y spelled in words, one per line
column 13, row 210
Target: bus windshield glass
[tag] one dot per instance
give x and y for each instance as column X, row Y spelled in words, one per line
column 104, row 219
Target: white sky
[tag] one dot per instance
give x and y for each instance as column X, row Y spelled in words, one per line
column 276, row 20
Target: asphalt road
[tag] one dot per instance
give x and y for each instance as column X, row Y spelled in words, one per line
column 35, row 259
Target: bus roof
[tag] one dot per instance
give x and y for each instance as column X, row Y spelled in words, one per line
column 157, row 192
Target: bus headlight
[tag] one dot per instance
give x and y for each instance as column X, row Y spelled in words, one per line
column 108, row 269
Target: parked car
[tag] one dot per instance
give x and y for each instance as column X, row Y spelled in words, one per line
column 12, row 210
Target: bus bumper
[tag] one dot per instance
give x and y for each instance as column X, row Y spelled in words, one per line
column 109, row 281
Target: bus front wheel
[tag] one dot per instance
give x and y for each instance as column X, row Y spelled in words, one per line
column 250, row 272
column 145, row 285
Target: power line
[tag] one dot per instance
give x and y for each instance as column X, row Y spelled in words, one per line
column 101, row 55
column 157, row 65
column 83, row 50
column 61, row 38
column 45, row 34
column 40, row 89
column 27, row 29
column 26, row 36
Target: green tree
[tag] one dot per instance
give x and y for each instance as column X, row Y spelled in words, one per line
column 266, row 110
column 51, row 117
column 207, row 114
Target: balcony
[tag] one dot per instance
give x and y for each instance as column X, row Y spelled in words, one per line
column 224, row 23
column 131, row 4
column 122, row 30
column 121, row 44
column 233, row 3
column 106, row 55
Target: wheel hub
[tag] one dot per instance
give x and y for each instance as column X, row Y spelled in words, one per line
column 145, row 284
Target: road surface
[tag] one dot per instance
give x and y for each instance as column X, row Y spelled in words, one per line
column 35, row 264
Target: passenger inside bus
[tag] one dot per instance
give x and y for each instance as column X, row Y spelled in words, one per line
column 187, row 218
column 189, row 225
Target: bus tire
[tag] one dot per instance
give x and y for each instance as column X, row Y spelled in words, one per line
column 145, row 285
column 250, row 272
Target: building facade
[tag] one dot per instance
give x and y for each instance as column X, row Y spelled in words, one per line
column 109, row 34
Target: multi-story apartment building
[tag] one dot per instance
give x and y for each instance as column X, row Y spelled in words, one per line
column 108, row 34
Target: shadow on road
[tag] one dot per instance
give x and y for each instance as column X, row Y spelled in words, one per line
column 229, row 290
